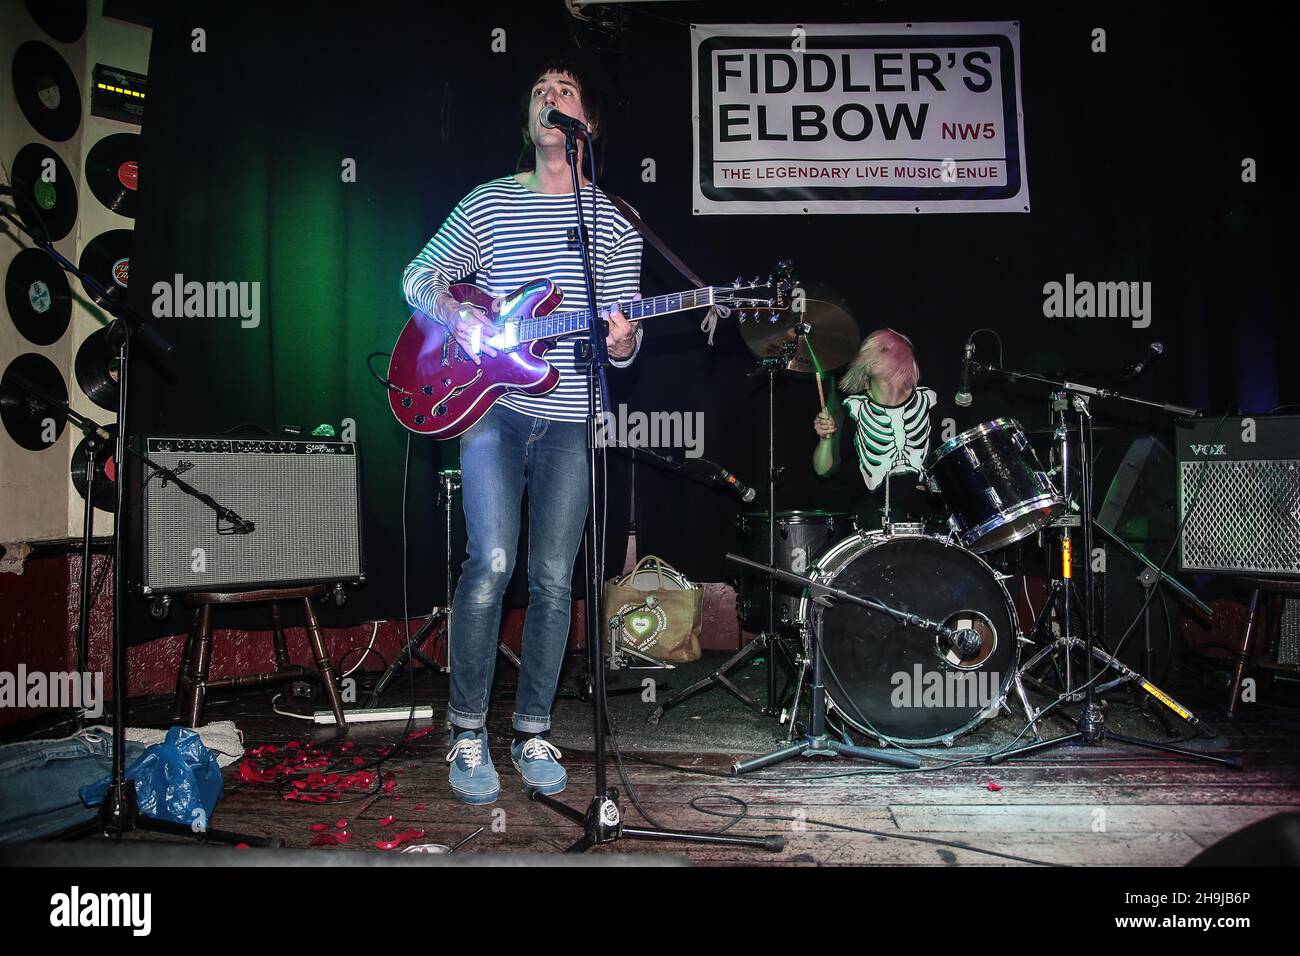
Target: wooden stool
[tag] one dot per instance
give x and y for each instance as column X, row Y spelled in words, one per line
column 1277, row 590
column 192, row 682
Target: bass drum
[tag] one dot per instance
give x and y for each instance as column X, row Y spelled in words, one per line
column 898, row 682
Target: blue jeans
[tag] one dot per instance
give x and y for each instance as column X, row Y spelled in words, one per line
column 504, row 453
column 40, row 782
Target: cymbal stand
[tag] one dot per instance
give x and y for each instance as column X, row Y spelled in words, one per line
column 1091, row 724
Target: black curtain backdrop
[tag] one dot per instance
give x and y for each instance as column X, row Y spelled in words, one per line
column 1134, row 160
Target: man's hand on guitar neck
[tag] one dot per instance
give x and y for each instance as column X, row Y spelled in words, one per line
column 621, row 340
column 471, row 326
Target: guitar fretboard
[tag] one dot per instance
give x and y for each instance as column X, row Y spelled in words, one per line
column 567, row 323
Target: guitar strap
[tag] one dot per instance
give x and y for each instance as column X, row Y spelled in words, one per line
column 710, row 319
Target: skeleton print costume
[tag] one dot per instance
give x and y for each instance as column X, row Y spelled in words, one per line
column 890, row 439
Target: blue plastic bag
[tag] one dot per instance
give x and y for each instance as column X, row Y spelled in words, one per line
column 177, row 780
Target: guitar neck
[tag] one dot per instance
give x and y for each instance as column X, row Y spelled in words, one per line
column 559, row 324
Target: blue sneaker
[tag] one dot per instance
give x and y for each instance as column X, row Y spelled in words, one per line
column 473, row 778
column 535, row 759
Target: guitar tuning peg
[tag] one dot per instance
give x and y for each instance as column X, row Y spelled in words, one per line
column 737, row 282
column 754, row 281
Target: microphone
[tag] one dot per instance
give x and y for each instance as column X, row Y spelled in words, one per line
column 746, row 493
column 966, row 641
column 1154, row 351
column 963, row 397
column 553, row 118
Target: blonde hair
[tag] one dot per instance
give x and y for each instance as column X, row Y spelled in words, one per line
column 885, row 355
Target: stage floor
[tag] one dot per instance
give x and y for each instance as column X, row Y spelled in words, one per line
column 1107, row 805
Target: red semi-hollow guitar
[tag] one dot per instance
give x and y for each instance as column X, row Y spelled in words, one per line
column 436, row 389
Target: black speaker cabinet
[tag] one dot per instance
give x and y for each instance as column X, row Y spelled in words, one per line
column 1241, row 481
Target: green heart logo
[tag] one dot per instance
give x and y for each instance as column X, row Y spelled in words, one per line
column 640, row 624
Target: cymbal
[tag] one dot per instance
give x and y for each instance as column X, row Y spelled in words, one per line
column 834, row 336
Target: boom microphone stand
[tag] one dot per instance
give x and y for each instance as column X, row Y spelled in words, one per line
column 603, row 821
column 119, row 813
column 1091, row 725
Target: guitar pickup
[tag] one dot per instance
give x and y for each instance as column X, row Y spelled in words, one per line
column 507, row 337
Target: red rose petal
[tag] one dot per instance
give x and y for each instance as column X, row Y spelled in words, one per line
column 406, row 836
column 995, row 787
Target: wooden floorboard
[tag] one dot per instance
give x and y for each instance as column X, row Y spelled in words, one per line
column 1096, row 806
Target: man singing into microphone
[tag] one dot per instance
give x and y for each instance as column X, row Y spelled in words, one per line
column 505, row 233
column 892, row 418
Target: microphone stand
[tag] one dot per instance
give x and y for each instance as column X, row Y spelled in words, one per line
column 1091, row 725
column 119, row 813
column 817, row 743
column 603, row 821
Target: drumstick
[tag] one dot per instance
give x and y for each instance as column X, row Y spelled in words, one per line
column 817, row 366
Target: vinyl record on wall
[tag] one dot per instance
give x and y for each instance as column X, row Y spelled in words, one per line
column 96, row 368
column 44, row 192
column 105, row 491
column 107, row 258
column 112, row 166
column 64, row 20
column 25, row 415
column 38, row 297
column 46, row 91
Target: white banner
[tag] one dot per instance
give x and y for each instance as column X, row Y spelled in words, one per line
column 853, row 118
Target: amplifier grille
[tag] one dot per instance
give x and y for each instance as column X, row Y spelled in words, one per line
column 1288, row 648
column 304, row 506
column 1246, row 517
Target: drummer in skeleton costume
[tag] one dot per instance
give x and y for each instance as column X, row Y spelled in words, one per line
column 891, row 415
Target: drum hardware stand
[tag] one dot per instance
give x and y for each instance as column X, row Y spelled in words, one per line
column 1091, row 725
column 1150, row 577
column 448, row 485
column 768, row 642
column 412, row 650
column 602, row 822
column 620, row 650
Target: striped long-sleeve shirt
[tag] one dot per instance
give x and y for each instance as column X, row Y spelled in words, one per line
column 502, row 235
column 890, row 438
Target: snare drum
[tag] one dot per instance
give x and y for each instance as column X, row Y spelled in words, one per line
column 994, row 487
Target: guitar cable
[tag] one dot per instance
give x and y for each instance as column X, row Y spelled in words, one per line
column 380, row 378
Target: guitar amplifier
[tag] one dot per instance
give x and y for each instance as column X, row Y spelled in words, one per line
column 1242, row 480
column 301, row 496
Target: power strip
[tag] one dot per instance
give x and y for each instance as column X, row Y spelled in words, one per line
column 371, row 714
